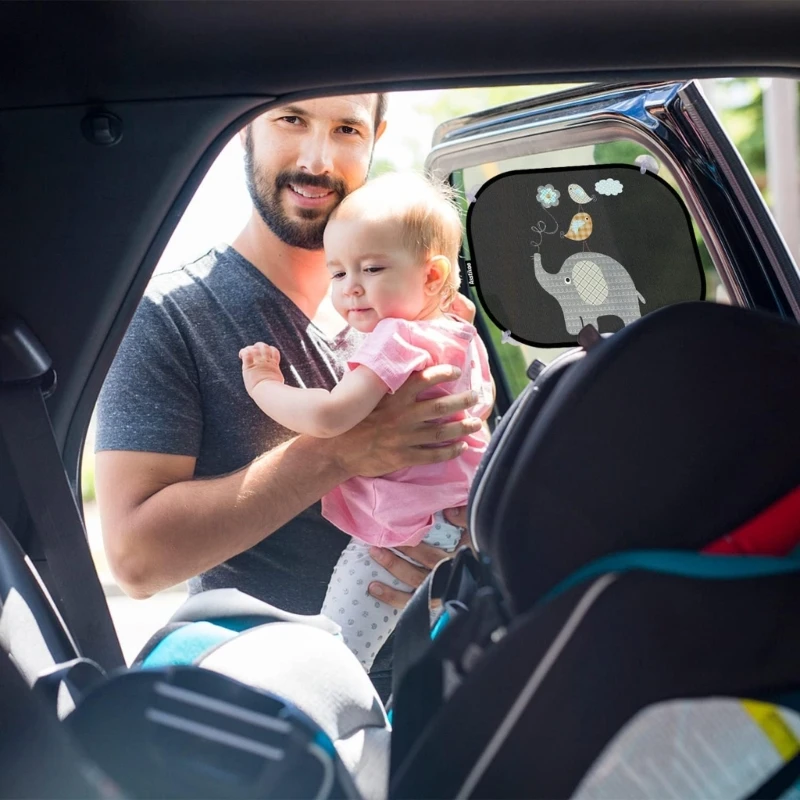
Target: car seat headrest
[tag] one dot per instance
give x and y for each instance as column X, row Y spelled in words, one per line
column 669, row 434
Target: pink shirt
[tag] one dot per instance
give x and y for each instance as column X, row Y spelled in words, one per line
column 398, row 508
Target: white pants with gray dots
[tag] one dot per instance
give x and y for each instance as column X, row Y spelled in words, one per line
column 367, row 622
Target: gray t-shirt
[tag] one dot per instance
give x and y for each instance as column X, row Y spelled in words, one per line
column 176, row 387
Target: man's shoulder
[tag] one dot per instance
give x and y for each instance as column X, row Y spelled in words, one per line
column 185, row 281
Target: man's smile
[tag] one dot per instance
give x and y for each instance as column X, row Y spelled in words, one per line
column 309, row 192
column 310, row 196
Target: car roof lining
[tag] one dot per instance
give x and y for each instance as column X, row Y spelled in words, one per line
column 143, row 50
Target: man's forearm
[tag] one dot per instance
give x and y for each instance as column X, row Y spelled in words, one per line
column 191, row 526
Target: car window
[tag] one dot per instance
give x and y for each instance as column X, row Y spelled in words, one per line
column 221, row 206
column 516, row 356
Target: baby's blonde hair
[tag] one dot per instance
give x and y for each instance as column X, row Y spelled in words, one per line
column 425, row 208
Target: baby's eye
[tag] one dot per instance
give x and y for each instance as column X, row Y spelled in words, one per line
column 374, row 270
column 337, row 275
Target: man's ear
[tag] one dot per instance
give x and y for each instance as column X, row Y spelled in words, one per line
column 380, row 130
column 437, row 271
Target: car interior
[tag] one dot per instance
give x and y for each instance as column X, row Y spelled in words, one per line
column 623, row 624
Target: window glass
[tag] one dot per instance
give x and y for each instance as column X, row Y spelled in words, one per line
column 757, row 115
column 516, row 356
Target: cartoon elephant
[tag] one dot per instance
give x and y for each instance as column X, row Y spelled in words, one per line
column 588, row 286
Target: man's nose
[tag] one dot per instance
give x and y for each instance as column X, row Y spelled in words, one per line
column 316, row 153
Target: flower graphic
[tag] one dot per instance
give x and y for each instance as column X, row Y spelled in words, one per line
column 548, row 196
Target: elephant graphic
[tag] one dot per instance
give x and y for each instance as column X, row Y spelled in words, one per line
column 588, row 286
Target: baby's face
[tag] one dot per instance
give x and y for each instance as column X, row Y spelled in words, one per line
column 373, row 275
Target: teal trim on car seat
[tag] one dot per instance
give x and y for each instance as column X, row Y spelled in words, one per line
column 681, row 563
column 441, row 623
column 324, row 741
column 185, row 645
column 239, row 624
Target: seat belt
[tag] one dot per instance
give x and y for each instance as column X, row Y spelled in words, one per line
column 26, row 374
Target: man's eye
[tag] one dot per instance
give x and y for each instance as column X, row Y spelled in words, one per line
column 349, row 131
column 291, row 120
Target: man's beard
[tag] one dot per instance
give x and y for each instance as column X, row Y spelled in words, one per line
column 265, row 193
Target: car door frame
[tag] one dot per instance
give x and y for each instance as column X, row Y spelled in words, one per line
column 672, row 120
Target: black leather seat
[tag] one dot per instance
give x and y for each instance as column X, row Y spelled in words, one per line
column 670, row 434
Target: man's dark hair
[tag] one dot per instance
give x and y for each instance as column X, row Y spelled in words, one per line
column 380, row 108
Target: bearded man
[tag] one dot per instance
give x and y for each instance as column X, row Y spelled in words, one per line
column 193, row 481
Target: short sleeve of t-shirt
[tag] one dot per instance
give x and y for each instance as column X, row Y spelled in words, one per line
column 150, row 401
column 390, row 353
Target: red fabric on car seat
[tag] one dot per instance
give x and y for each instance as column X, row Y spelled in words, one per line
column 773, row 532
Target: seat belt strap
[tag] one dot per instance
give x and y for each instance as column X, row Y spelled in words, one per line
column 76, row 590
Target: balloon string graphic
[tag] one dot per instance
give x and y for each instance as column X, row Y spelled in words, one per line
column 540, row 229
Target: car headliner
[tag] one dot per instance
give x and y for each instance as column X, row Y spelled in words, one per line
column 85, row 224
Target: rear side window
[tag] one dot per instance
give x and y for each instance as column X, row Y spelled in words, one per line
column 555, row 250
column 613, row 200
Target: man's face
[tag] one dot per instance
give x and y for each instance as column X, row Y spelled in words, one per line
column 302, row 159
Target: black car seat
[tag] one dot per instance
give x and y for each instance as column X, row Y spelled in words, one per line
column 662, row 439
column 692, row 409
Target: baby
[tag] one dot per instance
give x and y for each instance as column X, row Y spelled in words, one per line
column 391, row 248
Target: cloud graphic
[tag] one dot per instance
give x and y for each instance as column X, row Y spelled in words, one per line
column 608, row 186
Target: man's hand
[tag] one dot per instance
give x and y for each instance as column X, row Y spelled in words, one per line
column 400, row 431
column 463, row 307
column 409, row 574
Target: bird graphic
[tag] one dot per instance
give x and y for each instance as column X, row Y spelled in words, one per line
column 578, row 195
column 580, row 228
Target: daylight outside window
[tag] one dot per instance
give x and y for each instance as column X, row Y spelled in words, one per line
column 758, row 126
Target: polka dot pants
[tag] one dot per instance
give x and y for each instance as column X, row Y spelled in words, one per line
column 367, row 622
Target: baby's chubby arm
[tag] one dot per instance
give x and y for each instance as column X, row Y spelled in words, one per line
column 314, row 412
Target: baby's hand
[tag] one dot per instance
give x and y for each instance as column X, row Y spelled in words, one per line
column 260, row 362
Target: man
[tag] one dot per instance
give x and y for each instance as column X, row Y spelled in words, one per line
column 193, row 481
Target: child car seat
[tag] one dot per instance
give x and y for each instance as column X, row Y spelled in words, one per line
column 665, row 437
column 629, row 441
column 240, row 668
